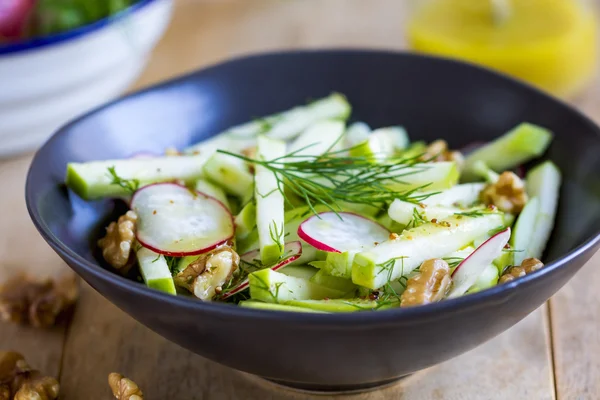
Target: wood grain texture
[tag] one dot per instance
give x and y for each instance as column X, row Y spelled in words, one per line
column 22, row 248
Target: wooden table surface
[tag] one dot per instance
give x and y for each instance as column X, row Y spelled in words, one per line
column 553, row 353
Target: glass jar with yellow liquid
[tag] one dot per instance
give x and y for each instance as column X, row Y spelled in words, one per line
column 552, row 44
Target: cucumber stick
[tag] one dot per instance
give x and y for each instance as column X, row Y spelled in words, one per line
column 343, row 284
column 342, row 305
column 524, row 231
column 394, row 258
column 515, row 147
column 289, row 124
column 403, row 212
column 463, row 195
column 543, row 182
column 299, row 271
column 155, row 271
column 230, row 173
column 245, row 221
column 382, row 143
column 339, row 264
column 259, row 305
column 269, row 202
column 432, row 176
column 213, row 190
column 274, row 287
column 481, row 169
column 487, row 279
column 356, row 133
column 92, row 180
column 319, row 138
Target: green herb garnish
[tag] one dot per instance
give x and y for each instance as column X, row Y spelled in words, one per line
column 131, row 185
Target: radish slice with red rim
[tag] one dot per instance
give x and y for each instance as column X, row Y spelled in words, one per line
column 467, row 272
column 176, row 221
column 250, row 262
column 343, row 231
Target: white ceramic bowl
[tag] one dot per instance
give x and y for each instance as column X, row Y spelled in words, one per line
column 48, row 81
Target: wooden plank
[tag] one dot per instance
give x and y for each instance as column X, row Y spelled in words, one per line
column 103, row 339
column 22, row 248
column 575, row 313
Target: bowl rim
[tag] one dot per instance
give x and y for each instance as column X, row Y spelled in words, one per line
column 358, row 320
column 45, row 41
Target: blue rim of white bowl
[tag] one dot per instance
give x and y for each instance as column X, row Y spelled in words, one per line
column 44, row 41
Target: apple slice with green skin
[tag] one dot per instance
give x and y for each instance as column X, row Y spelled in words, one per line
column 487, row 279
column 92, row 180
column 469, row 270
column 463, row 195
column 176, row 221
column 356, row 133
column 399, row 256
column 210, row 189
column 231, row 173
column 343, row 305
column 339, row 232
column 270, row 213
column 429, row 176
column 334, row 282
column 515, row 147
column 318, row 139
column 543, row 182
column 250, row 262
column 382, row 143
column 523, row 232
column 274, row 287
column 259, row 305
column 155, row 271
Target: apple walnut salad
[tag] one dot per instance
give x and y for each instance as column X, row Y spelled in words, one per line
column 301, row 211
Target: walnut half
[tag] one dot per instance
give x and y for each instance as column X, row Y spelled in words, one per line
column 117, row 245
column 528, row 266
column 124, row 388
column 38, row 303
column 19, row 381
column 508, row 193
column 438, row 151
column 205, row 276
column 429, row 286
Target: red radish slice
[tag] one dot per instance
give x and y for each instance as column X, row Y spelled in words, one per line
column 467, row 272
column 176, row 221
column 13, row 17
column 291, row 252
column 341, row 232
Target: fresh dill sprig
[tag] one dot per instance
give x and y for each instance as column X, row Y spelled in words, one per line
column 335, row 177
column 453, row 261
column 477, row 213
column 131, row 185
column 418, row 219
column 277, row 235
column 172, row 263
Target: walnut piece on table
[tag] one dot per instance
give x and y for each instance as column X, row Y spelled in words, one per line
column 18, row 381
column 508, row 193
column 117, row 245
column 438, row 151
column 528, row 266
column 123, row 388
column 429, row 286
column 24, row 300
column 205, row 276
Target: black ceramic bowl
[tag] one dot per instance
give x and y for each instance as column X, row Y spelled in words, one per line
column 432, row 98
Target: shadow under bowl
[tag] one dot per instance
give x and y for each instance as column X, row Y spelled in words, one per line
column 432, row 98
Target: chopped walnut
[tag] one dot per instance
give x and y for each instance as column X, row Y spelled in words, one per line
column 18, row 381
column 38, row 303
column 123, row 388
column 205, row 276
column 117, row 245
column 528, row 266
column 508, row 193
column 429, row 286
column 438, row 151
column 171, row 151
column 249, row 152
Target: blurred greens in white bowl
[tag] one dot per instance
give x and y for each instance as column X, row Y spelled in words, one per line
column 62, row 58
